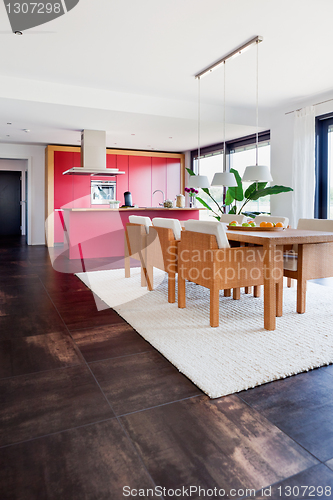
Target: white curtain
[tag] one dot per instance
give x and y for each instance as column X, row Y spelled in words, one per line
column 303, row 165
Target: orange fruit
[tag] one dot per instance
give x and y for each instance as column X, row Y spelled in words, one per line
column 263, row 224
column 233, row 222
column 279, row 224
column 269, row 224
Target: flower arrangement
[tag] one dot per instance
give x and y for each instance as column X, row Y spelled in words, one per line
column 191, row 192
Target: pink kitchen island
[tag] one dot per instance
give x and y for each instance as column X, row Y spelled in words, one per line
column 99, row 232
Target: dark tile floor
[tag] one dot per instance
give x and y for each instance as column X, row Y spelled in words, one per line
column 88, row 407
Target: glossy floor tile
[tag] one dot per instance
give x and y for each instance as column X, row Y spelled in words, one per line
column 110, row 341
column 63, row 362
column 93, row 462
column 132, row 383
column 24, row 355
column 213, row 443
column 302, row 407
column 42, row 403
column 314, row 483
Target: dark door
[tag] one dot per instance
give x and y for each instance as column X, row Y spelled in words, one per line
column 10, row 206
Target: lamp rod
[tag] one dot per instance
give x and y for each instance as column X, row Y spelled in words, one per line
column 256, row 39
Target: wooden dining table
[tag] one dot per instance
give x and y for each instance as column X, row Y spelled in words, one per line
column 315, row 260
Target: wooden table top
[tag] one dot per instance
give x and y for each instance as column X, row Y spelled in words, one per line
column 286, row 237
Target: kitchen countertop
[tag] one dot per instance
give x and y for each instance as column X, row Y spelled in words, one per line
column 139, row 209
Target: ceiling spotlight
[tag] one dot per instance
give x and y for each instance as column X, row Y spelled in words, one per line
column 26, row 130
column 9, row 123
column 17, row 32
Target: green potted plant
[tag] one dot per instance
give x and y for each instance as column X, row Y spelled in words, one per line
column 236, row 194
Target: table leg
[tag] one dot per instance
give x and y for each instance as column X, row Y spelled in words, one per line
column 279, row 276
column 227, row 292
column 236, row 293
column 301, row 281
column 269, row 288
column 257, row 291
column 181, row 291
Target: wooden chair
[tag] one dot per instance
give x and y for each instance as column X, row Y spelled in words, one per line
column 227, row 218
column 317, row 262
column 162, row 251
column 136, row 232
column 205, row 258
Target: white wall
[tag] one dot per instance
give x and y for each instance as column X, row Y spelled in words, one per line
column 282, row 138
column 18, row 166
column 35, row 156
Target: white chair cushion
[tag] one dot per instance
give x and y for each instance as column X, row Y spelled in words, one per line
column 209, row 227
column 271, row 218
column 138, row 219
column 229, row 218
column 173, row 224
column 316, row 224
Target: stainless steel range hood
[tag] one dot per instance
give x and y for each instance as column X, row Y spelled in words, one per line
column 93, row 155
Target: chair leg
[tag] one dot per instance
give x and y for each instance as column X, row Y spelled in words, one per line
column 143, row 277
column 236, row 293
column 290, row 282
column 127, row 261
column 227, row 292
column 248, row 289
column 181, row 292
column 149, row 272
column 171, row 288
column 214, row 306
column 257, row 290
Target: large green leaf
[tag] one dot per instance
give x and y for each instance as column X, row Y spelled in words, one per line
column 228, row 197
column 270, row 190
column 237, row 192
column 190, row 171
column 233, row 210
column 204, row 203
column 252, row 188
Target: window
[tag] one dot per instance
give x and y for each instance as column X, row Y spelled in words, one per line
column 240, row 158
column 240, row 153
column 324, row 168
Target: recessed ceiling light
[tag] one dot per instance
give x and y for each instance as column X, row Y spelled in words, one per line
column 9, row 123
column 170, row 137
column 132, row 134
column 26, row 130
column 114, row 143
column 17, row 32
column 7, row 135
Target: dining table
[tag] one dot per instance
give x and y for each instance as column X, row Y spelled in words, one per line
column 314, row 260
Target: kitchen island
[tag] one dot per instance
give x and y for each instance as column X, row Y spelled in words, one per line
column 99, row 232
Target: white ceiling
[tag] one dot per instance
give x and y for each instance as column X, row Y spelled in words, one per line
column 128, row 66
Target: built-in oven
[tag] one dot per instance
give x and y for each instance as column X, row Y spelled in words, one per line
column 102, row 192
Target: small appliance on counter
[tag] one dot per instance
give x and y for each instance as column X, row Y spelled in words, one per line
column 180, row 201
column 127, row 200
column 168, row 204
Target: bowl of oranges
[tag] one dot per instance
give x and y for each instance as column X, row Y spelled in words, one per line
column 251, row 226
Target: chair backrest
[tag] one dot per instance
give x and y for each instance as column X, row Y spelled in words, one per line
column 229, row 218
column 173, row 224
column 316, row 224
column 138, row 219
column 209, row 227
column 271, row 218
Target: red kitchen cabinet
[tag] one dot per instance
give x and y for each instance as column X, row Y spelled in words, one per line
column 122, row 180
column 173, row 178
column 158, row 179
column 140, row 180
column 63, row 190
column 81, row 186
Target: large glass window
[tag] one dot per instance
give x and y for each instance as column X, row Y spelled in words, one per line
column 240, row 154
column 324, row 168
column 242, row 157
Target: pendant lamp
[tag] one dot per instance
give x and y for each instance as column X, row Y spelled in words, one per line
column 257, row 173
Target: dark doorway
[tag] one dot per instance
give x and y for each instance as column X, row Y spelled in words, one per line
column 10, row 203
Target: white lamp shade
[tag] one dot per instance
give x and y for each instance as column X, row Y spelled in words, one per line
column 198, row 181
column 257, row 173
column 224, row 179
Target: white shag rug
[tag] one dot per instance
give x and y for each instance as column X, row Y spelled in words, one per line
column 237, row 355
